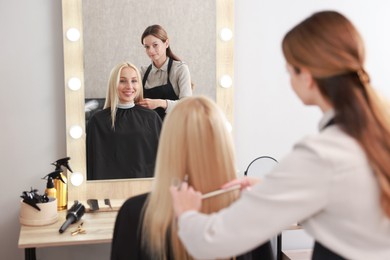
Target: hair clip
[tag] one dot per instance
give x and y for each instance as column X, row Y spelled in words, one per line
column 108, row 203
column 32, row 198
column 79, row 230
column 93, row 204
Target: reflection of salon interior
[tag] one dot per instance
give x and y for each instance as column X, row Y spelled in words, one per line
column 264, row 121
column 92, row 105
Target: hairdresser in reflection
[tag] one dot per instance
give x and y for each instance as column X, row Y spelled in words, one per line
column 122, row 139
column 335, row 183
column 194, row 143
column 167, row 79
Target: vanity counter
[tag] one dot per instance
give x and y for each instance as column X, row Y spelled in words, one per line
column 99, row 229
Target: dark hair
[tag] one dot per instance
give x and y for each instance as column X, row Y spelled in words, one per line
column 328, row 45
column 159, row 32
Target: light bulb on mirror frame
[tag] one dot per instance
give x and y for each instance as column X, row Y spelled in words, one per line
column 226, row 34
column 225, row 81
column 76, row 131
column 76, row 179
column 73, row 34
column 74, row 83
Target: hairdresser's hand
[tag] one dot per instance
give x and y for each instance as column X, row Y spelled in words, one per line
column 185, row 198
column 245, row 183
column 153, row 103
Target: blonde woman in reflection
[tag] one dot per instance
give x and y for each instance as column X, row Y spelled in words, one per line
column 122, row 139
column 194, row 142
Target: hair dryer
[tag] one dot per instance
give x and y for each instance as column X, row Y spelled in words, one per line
column 73, row 215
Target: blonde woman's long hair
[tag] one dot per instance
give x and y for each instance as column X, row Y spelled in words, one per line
column 112, row 96
column 330, row 47
column 194, row 141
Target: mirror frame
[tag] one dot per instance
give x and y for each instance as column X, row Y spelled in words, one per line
column 119, row 190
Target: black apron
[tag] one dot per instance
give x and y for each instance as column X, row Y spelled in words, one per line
column 320, row 252
column 160, row 92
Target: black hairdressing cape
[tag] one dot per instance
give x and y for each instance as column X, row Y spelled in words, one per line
column 126, row 241
column 129, row 150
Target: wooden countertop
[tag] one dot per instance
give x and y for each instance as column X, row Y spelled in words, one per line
column 99, row 228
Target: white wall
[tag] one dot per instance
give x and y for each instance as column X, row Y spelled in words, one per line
column 269, row 119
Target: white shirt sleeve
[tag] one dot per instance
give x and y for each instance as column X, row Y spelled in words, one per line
column 295, row 190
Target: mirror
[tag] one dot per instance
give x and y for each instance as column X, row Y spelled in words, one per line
column 108, row 41
column 73, row 38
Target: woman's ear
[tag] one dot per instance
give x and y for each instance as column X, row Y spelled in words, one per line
column 167, row 43
column 307, row 78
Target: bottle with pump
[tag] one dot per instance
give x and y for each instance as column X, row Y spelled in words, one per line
column 50, row 190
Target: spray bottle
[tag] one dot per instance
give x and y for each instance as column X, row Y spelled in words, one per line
column 50, row 190
column 60, row 182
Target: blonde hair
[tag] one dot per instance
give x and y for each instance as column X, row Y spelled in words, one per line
column 330, row 47
column 194, row 141
column 112, row 96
